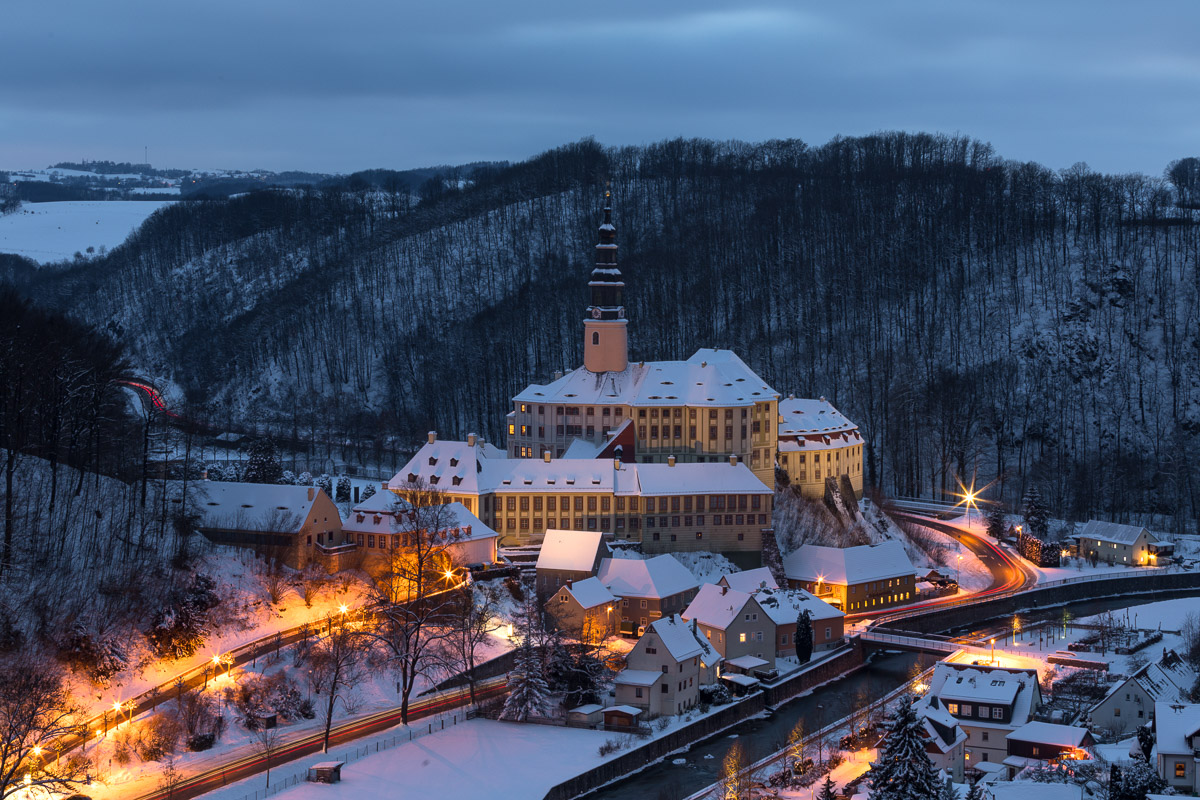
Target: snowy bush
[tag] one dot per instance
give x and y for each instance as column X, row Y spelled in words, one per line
column 305, row 479
column 343, row 490
column 177, row 629
column 158, row 736
column 325, row 484
column 368, row 491
column 288, row 478
column 98, row 655
column 201, row 742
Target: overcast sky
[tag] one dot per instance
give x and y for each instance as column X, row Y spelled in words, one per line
column 336, row 86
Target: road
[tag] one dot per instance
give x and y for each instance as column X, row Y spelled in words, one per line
column 152, row 395
column 1008, row 573
column 309, row 744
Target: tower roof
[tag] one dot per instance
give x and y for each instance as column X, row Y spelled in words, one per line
column 606, row 270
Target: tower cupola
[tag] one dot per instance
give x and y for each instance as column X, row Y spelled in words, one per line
column 606, row 340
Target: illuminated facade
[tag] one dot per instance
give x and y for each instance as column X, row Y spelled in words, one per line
column 816, row 443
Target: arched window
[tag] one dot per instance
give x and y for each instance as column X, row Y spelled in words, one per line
column 595, row 337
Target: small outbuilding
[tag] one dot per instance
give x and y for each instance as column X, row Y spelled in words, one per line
column 326, row 772
column 621, row 717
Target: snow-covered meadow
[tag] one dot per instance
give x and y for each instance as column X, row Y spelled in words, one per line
column 49, row 232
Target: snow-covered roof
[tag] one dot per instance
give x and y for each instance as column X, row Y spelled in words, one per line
column 573, row 551
column 783, row 606
column 590, row 593
column 1174, row 725
column 747, row 662
column 739, row 679
column 708, row 378
column 255, row 506
column 448, row 516
column 1169, row 680
column 658, row 577
column 807, row 424
column 638, row 677
column 587, row 708
column 1112, row 532
column 716, row 606
column 1029, row 790
column 940, row 727
column 1051, row 733
column 680, row 640
column 750, row 580
column 630, row 710
column 980, row 684
column 582, row 448
column 850, row 565
column 477, row 471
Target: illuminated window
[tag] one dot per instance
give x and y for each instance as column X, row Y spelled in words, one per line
column 741, row 637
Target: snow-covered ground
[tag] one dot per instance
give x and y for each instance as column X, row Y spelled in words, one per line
column 47, row 232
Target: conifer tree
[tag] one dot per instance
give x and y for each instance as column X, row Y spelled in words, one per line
column 804, row 637
column 1037, row 516
column 263, row 464
column 527, row 686
column 975, row 792
column 827, row 791
column 996, row 522
column 903, row 770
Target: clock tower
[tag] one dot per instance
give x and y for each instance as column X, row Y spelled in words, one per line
column 605, row 338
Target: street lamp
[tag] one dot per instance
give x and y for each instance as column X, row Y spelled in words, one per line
column 958, row 573
column 993, row 651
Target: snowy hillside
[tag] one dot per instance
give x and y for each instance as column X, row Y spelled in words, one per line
column 48, row 232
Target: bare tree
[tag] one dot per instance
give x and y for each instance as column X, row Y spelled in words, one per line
column 266, row 743
column 36, row 713
column 417, row 590
column 474, row 622
column 170, row 778
column 335, row 667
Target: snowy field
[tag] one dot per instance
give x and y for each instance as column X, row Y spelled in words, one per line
column 497, row 760
column 48, row 232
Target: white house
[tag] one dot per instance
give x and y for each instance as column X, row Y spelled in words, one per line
column 734, row 622
column 1177, row 740
column 987, row 702
column 749, row 581
column 945, row 740
column 1130, row 703
column 1121, row 544
column 666, row 668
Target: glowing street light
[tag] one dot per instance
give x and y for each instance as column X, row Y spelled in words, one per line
column 993, row 651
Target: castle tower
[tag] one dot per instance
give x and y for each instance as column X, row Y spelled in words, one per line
column 605, row 338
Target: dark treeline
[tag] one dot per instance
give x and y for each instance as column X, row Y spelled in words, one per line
column 971, row 314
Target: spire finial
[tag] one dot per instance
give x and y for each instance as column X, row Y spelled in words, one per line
column 608, row 203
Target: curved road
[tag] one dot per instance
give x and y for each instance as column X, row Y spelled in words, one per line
column 1008, row 573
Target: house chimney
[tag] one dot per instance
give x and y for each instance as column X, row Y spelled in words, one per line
column 470, row 440
column 311, row 493
column 546, row 456
column 732, row 460
column 432, row 436
column 617, row 464
column 670, row 461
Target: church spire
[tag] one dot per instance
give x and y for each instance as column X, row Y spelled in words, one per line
column 606, row 345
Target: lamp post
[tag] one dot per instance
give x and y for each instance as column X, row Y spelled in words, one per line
column 343, row 608
column 993, row 651
column 958, row 572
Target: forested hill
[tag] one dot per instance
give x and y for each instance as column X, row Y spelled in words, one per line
column 963, row 309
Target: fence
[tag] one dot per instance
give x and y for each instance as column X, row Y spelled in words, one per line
column 712, row 792
column 362, row 751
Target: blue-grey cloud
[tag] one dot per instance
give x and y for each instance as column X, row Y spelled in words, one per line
column 342, row 86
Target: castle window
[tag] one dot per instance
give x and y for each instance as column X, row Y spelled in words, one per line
column 595, row 337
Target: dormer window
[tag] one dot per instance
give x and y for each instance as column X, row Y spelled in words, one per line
column 457, row 479
column 412, row 477
column 432, row 461
column 454, row 462
column 433, row 479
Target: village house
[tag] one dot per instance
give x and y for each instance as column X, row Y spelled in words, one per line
column 945, row 740
column 1121, row 544
column 783, row 606
column 668, row 507
column 1177, row 740
column 987, row 702
column 584, row 609
column 734, row 622
column 666, row 668
column 855, row 579
column 750, row 580
column 818, row 443
column 278, row 521
column 568, row 556
column 380, row 526
column 648, row 589
column 1036, row 743
column 1130, row 703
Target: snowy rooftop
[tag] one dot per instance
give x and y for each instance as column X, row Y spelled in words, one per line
column 783, row 606
column 658, row 577
column 1170, row 679
column 747, row 662
column 750, row 580
column 1050, row 733
column 382, row 501
column 850, row 565
column 798, row 416
column 590, row 593
column 940, row 727
column 637, row 677
column 708, row 378
column 450, row 515
column 1029, row 790
column 1112, row 532
column 1015, row 688
column 680, row 640
column 255, row 506
column 716, row 606
column 1174, row 724
column 456, row 467
column 574, row 551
